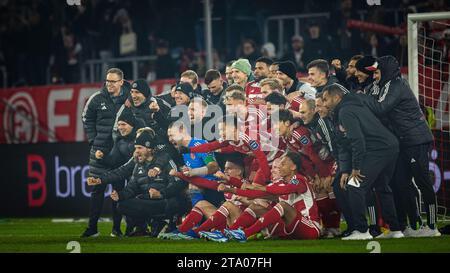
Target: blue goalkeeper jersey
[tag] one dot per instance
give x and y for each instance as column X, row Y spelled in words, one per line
column 198, row 160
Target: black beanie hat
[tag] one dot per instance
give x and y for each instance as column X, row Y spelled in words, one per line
column 288, row 68
column 146, row 139
column 127, row 116
column 142, row 86
column 367, row 65
column 186, row 88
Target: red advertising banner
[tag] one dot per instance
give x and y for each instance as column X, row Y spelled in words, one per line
column 49, row 113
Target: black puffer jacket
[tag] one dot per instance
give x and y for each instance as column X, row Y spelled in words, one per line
column 392, row 98
column 121, row 152
column 361, row 133
column 98, row 118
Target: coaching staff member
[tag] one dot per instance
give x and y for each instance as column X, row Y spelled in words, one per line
column 98, row 120
column 366, row 158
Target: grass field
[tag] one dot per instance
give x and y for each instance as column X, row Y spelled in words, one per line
column 41, row 235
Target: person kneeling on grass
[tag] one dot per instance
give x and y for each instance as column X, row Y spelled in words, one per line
column 150, row 191
column 296, row 215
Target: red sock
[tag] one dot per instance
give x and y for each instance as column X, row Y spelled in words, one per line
column 322, row 205
column 334, row 215
column 246, row 219
column 271, row 217
column 218, row 220
column 193, row 218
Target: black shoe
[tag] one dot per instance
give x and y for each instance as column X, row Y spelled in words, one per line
column 129, row 230
column 139, row 233
column 116, row 233
column 445, row 230
column 90, row 233
column 156, row 228
column 374, row 231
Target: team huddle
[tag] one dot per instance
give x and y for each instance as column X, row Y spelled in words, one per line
column 263, row 154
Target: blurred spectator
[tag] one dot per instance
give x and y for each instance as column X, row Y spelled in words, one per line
column 374, row 46
column 95, row 30
column 199, row 64
column 317, row 44
column 268, row 50
column 217, row 62
column 348, row 39
column 296, row 54
column 165, row 65
column 65, row 59
column 248, row 51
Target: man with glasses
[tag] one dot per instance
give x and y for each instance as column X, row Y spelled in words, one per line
column 98, row 119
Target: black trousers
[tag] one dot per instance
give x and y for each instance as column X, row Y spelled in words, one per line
column 343, row 202
column 417, row 160
column 406, row 194
column 96, row 205
column 141, row 210
column 378, row 169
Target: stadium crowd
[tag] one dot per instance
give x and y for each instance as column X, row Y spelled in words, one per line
column 64, row 37
column 261, row 153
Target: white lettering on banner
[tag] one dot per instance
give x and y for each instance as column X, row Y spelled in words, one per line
column 67, row 177
column 83, row 96
column 20, row 119
column 84, row 176
column 54, row 120
column 58, row 180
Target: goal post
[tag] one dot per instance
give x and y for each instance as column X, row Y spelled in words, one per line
column 413, row 20
column 428, row 77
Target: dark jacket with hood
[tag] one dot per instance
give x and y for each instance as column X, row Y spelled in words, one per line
column 392, row 98
column 361, row 133
column 98, row 117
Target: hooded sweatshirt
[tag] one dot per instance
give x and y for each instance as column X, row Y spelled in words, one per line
column 393, row 99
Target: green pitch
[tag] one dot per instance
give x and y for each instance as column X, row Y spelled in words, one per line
column 41, row 235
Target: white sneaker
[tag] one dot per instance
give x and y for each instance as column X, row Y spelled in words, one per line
column 335, row 231
column 391, row 235
column 426, row 231
column 356, row 235
column 409, row 232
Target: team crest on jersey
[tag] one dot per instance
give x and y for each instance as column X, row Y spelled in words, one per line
column 304, row 140
column 295, row 181
column 193, row 155
column 253, row 145
column 141, row 171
